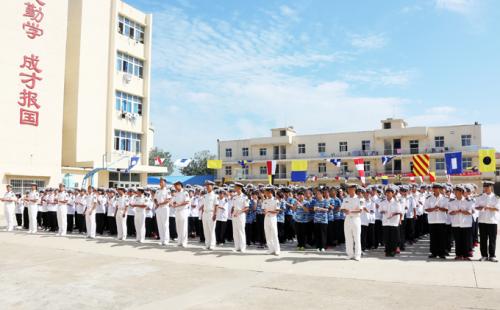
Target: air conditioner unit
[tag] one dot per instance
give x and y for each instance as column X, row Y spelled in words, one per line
column 127, row 78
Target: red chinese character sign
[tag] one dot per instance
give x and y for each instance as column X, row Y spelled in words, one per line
column 28, row 117
column 34, row 14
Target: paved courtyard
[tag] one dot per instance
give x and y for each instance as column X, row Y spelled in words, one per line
column 47, row 272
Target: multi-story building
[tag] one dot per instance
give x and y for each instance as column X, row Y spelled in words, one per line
column 94, row 60
column 394, row 138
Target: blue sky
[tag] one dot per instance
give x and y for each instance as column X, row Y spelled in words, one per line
column 235, row 69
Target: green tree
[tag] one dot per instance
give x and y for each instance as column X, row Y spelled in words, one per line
column 198, row 166
column 156, row 152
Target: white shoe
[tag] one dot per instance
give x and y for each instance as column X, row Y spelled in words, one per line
column 357, row 259
column 277, row 254
column 243, row 251
column 322, row 250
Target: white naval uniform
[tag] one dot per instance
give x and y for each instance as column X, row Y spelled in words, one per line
column 140, row 218
column 162, row 215
column 271, row 225
column 62, row 212
column 352, row 226
column 90, row 200
column 10, row 209
column 487, row 216
column 33, row 210
column 121, row 217
column 181, row 217
column 209, row 202
column 240, row 202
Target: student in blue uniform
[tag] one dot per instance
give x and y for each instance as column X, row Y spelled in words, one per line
column 338, row 220
column 289, row 223
column 280, row 217
column 301, row 210
column 250, row 219
column 259, row 224
column 320, row 207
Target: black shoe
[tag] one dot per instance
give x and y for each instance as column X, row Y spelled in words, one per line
column 442, row 256
column 432, row 256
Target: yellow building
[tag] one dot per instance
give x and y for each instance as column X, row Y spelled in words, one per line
column 87, row 104
column 394, row 138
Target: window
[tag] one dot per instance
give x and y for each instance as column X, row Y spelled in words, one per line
column 282, row 133
column 131, row 29
column 128, row 103
column 343, row 146
column 466, row 140
column 413, row 146
column 22, row 186
column 302, row 149
column 367, row 166
column 244, row 152
column 440, row 164
column 343, row 167
column 127, row 141
column 466, row 163
column 228, row 170
column 229, row 152
column 321, row 147
column 387, row 125
column 244, row 171
column 365, row 145
column 262, row 152
column 439, row 141
column 322, row 167
column 263, row 170
column 128, row 64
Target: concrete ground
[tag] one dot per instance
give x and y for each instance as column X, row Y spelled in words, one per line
column 47, row 272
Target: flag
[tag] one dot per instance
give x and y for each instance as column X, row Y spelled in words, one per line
column 487, row 161
column 134, row 160
column 360, row 166
column 159, row 161
column 336, row 161
column 299, row 176
column 386, row 160
column 453, row 162
column 183, row 162
column 271, row 167
column 214, row 164
column 421, row 163
column 432, row 176
column 244, row 163
column 299, row 165
column 385, row 180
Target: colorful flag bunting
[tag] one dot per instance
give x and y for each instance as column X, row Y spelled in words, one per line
column 487, row 161
column 421, row 163
column 182, row 162
column 386, row 160
column 453, row 162
column 214, row 164
column 360, row 166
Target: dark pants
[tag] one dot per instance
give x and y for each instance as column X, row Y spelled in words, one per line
column 80, row 223
column 410, row 229
column 475, row 232
column 100, row 221
column 260, row 236
column 364, row 237
column 301, row 234
column 425, row 224
column 330, row 234
column 149, row 227
column 402, row 235
column 200, row 229
column 171, row 227
column 438, row 239
column 19, row 219
column 463, row 239
column 26, row 218
column 339, row 231
column 449, row 239
column 370, row 238
column 131, row 225
column 320, row 233
column 220, row 231
column 111, row 221
column 391, row 239
column 379, row 236
column 487, row 239
column 419, row 226
column 52, row 216
column 70, row 218
column 192, row 224
column 42, row 218
column 281, row 232
column 229, row 231
column 310, row 233
column 289, row 227
column 249, row 228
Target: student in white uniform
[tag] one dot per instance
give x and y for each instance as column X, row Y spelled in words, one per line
column 70, row 216
column 392, row 213
column 221, row 214
column 162, row 201
column 140, row 204
column 111, row 211
column 240, row 207
column 33, row 201
column 351, row 207
column 19, row 210
column 208, row 213
column 271, row 209
column 488, row 205
column 90, row 207
column 181, row 204
column 149, row 213
column 100, row 212
column 121, row 214
column 436, row 206
column 80, row 202
column 9, row 199
column 62, row 198
column 460, row 212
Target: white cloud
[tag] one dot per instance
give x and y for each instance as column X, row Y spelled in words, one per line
column 371, row 41
column 463, row 7
column 288, row 11
column 384, row 77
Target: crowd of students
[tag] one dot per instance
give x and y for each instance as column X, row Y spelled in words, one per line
column 266, row 216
